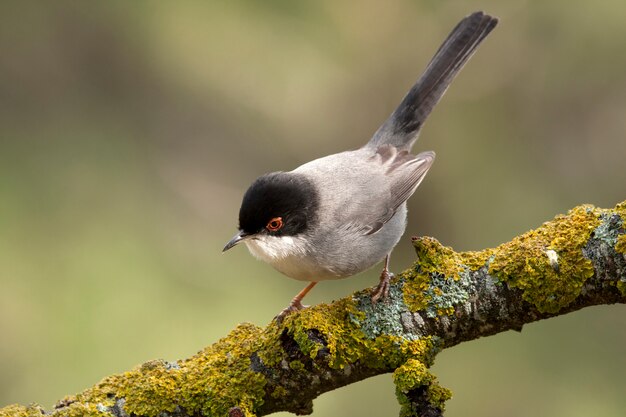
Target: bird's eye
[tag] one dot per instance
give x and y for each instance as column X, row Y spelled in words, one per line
column 275, row 224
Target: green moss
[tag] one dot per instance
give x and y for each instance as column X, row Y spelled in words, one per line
column 524, row 263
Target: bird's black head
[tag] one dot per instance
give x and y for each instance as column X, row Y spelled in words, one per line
column 279, row 204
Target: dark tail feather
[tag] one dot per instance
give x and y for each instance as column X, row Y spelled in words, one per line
column 402, row 127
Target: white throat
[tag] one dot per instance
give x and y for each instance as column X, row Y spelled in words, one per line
column 287, row 254
column 273, row 249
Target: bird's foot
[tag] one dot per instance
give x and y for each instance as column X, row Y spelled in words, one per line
column 294, row 305
column 382, row 290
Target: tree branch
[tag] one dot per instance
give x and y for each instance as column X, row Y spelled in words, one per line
column 445, row 298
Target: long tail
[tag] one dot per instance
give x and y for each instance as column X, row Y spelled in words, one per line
column 402, row 127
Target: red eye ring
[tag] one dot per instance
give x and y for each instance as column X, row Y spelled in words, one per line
column 275, row 224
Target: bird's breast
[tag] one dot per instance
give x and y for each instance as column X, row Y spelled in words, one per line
column 293, row 256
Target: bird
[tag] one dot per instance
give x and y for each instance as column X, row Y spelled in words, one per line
column 339, row 215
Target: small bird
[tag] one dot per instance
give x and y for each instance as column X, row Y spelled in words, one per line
column 342, row 214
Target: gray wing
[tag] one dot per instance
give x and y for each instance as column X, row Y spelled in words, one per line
column 403, row 174
column 361, row 190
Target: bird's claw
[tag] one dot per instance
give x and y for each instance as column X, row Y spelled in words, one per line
column 294, row 305
column 382, row 290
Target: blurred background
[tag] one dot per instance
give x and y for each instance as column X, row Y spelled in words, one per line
column 130, row 130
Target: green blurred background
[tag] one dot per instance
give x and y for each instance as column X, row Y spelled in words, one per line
column 130, row 130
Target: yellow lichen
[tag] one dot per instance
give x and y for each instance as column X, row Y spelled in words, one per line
column 197, row 384
column 432, row 257
column 475, row 260
column 414, row 291
column 336, row 329
column 279, row 392
column 221, row 376
column 345, row 342
column 84, row 410
column 524, row 262
column 212, row 390
column 337, row 326
column 438, row 280
column 413, row 375
column 16, row 410
column 69, row 410
column 620, row 246
column 296, row 365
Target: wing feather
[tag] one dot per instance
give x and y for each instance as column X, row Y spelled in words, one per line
column 404, row 174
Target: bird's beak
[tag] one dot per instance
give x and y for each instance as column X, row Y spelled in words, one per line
column 235, row 240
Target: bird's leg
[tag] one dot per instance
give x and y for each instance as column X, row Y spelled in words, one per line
column 382, row 290
column 296, row 302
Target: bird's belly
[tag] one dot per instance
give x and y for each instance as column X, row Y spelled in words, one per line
column 355, row 254
column 316, row 266
column 302, row 269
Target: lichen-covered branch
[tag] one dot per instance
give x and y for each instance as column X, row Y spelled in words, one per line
column 571, row 262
